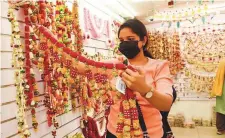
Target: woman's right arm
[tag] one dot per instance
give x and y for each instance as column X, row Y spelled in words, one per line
column 82, row 68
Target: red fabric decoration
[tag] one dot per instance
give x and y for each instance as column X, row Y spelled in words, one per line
column 66, row 50
column 27, row 35
column 42, row 5
column 98, row 64
column 81, row 59
column 27, row 29
column 27, row 41
column 108, row 65
column 60, row 45
column 89, row 62
column 33, row 111
column 27, row 20
column 53, row 40
column 74, row 54
column 131, row 68
column 35, row 62
column 41, row 29
column 120, row 66
column 89, row 91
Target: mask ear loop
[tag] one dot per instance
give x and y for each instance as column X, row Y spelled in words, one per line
column 144, row 47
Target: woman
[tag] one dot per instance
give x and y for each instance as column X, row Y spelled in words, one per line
column 152, row 78
column 151, row 82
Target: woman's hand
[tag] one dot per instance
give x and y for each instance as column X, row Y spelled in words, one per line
column 135, row 81
column 120, row 59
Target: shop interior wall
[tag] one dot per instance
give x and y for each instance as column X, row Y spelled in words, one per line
column 69, row 122
column 191, row 107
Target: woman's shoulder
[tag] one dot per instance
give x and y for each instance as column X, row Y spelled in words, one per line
column 158, row 63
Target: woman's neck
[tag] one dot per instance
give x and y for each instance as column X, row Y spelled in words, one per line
column 139, row 60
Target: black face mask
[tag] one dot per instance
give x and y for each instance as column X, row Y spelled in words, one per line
column 129, row 49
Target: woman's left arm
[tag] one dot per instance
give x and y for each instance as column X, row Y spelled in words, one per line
column 162, row 95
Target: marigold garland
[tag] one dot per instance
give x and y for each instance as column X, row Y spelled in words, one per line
column 57, row 59
column 124, row 130
column 32, row 91
column 76, row 28
column 20, row 83
column 166, row 46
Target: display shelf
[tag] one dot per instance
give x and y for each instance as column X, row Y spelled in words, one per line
column 195, row 99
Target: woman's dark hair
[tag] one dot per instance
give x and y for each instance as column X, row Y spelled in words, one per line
column 138, row 28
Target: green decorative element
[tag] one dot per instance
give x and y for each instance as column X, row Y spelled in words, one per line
column 178, row 24
column 170, row 23
column 203, row 19
column 200, row 2
column 192, row 20
column 212, row 16
column 212, row 1
column 66, row 108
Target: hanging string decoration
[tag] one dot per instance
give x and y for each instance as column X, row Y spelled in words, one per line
column 21, row 85
column 32, row 91
column 182, row 15
column 200, row 82
column 166, row 46
column 91, row 128
column 57, row 58
column 78, row 37
column 213, row 27
column 204, row 51
column 85, row 89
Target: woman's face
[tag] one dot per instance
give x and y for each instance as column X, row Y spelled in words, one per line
column 126, row 34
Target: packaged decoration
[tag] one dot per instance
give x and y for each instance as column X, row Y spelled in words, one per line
column 77, row 135
column 189, row 124
column 197, row 120
column 179, row 120
column 171, row 121
column 206, row 123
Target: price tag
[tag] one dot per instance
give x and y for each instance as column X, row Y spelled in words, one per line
column 120, row 85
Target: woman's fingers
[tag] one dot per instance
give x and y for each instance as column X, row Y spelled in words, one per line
column 127, row 77
column 130, row 72
column 127, row 82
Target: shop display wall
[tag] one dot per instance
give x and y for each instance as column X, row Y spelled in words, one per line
column 190, row 102
column 69, row 123
column 95, row 44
